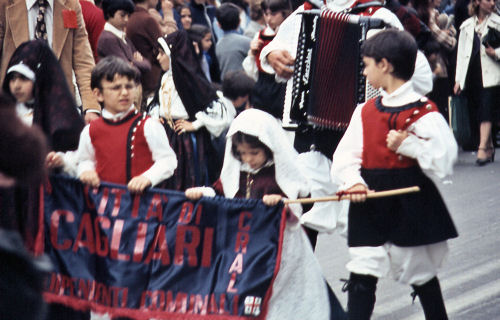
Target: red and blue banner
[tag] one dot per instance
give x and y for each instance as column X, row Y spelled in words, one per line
column 158, row 255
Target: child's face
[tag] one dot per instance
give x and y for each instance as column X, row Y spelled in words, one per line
column 186, row 19
column 119, row 20
column 273, row 19
column 117, row 95
column 21, row 88
column 206, row 42
column 373, row 72
column 163, row 60
column 255, row 157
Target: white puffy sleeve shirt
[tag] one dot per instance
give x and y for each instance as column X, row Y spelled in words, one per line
column 430, row 142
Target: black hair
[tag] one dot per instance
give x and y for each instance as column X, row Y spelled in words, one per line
column 256, row 12
column 240, row 3
column 276, row 6
column 398, row 47
column 11, row 76
column 109, row 7
column 228, row 16
column 108, row 68
column 237, row 84
column 196, row 34
column 432, row 46
column 254, row 142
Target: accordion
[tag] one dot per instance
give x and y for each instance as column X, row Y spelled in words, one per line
column 328, row 79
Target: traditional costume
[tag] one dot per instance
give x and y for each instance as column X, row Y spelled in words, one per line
column 124, row 145
column 186, row 94
column 404, row 236
column 53, row 109
column 299, row 290
column 317, row 145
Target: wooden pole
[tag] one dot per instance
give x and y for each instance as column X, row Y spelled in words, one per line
column 379, row 194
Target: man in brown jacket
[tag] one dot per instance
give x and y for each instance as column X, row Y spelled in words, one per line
column 67, row 38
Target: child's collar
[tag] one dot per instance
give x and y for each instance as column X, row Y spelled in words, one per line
column 245, row 167
column 117, row 117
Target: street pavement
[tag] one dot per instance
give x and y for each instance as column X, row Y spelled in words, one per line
column 470, row 277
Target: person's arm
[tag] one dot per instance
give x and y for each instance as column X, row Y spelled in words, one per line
column 165, row 161
column 444, row 37
column 346, row 162
column 167, row 22
column 83, row 63
column 249, row 64
column 431, row 142
column 216, row 118
column 86, row 160
column 279, row 55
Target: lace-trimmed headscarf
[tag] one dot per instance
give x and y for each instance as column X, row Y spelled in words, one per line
column 55, row 109
column 268, row 130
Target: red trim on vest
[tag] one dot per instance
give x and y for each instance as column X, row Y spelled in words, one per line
column 266, row 39
column 112, row 149
column 376, row 126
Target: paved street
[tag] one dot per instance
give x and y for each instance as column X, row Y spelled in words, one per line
column 470, row 278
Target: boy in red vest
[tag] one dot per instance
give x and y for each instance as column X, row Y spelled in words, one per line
column 124, row 146
column 390, row 139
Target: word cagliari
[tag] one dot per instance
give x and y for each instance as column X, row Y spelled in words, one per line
column 158, row 254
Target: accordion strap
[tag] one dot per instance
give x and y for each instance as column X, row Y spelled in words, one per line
column 363, row 6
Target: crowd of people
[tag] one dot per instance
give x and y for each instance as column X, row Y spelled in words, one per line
column 192, row 95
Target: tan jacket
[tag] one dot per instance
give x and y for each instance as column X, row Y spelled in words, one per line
column 71, row 46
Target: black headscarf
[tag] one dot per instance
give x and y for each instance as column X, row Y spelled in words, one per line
column 55, row 109
column 194, row 89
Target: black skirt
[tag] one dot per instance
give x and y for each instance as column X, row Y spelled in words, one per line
column 408, row 220
column 197, row 162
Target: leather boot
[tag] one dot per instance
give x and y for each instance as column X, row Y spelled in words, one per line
column 361, row 296
column 431, row 300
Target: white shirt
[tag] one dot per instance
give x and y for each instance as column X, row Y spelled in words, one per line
column 32, row 7
column 119, row 33
column 215, row 118
column 430, row 142
column 164, row 157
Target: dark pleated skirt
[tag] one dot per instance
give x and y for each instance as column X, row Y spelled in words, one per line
column 412, row 219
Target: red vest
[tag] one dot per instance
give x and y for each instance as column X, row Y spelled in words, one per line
column 266, row 39
column 121, row 150
column 377, row 120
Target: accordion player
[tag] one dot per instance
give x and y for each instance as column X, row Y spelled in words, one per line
column 328, row 81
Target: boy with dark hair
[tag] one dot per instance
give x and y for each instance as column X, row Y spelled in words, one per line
column 123, row 146
column 228, row 16
column 232, row 48
column 390, row 139
column 237, row 87
column 113, row 40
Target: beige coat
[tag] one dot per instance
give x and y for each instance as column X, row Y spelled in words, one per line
column 490, row 68
column 71, row 46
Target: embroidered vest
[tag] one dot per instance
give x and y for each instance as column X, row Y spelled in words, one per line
column 121, row 150
column 378, row 120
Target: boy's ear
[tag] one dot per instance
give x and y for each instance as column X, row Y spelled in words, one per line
column 98, row 94
column 386, row 65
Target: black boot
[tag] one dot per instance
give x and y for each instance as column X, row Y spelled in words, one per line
column 431, row 299
column 361, row 296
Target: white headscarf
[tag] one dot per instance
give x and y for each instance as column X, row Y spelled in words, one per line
column 268, row 130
